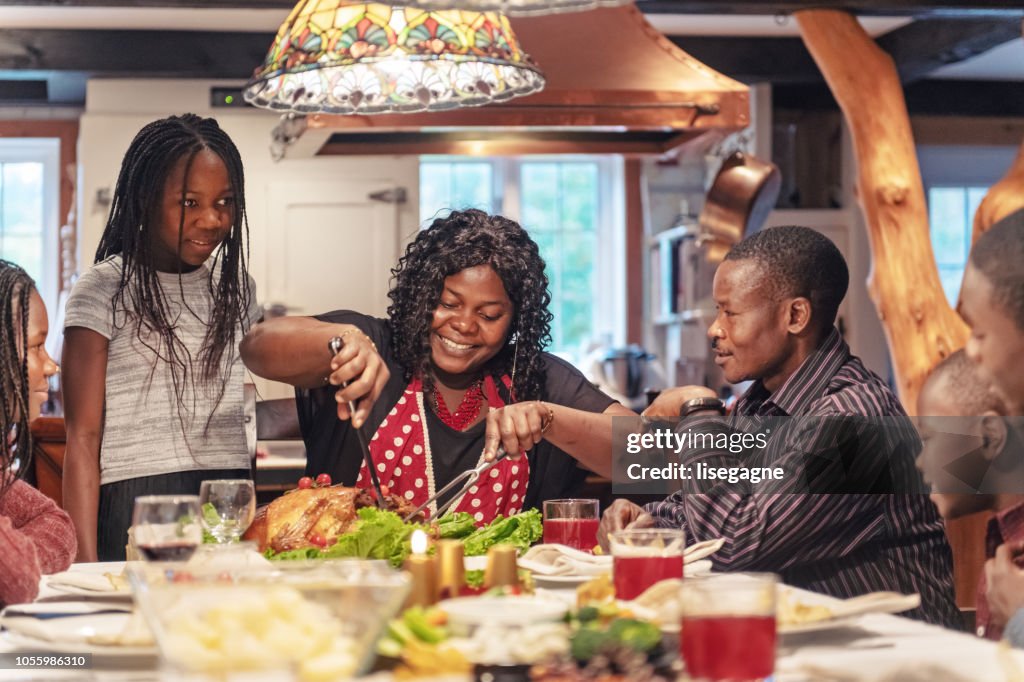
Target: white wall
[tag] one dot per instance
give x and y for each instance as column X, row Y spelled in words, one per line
column 117, row 108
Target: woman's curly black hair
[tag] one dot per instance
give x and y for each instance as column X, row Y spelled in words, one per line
column 465, row 239
column 16, row 289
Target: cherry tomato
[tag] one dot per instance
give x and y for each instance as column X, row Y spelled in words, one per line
column 384, row 490
column 318, row 540
column 323, row 480
column 305, row 482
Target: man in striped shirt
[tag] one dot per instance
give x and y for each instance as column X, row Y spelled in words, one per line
column 777, row 295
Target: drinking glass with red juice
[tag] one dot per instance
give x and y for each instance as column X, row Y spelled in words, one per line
column 572, row 523
column 728, row 626
column 643, row 557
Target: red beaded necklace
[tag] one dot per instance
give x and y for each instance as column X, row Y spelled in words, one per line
column 467, row 411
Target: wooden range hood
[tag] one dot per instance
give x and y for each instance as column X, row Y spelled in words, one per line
column 614, row 85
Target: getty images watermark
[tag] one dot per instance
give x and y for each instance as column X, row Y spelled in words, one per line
column 834, row 454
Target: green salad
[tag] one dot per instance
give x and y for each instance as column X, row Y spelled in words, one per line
column 379, row 534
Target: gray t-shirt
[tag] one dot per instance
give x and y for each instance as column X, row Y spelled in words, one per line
column 145, row 431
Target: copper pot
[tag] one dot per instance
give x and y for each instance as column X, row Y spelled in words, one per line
column 741, row 197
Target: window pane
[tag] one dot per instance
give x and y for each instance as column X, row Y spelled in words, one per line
column 446, row 185
column 947, row 214
column 540, row 191
column 559, row 208
column 951, row 278
column 21, row 215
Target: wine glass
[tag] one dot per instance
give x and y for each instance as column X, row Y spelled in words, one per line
column 228, row 506
column 166, row 527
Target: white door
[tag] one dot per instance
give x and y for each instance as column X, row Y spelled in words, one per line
column 329, row 246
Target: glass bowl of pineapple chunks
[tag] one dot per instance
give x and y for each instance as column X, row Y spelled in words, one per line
column 301, row 621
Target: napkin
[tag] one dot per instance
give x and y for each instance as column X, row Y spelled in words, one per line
column 92, row 582
column 64, row 609
column 700, row 550
column 554, row 559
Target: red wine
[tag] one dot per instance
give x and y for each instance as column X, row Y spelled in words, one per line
column 728, row 647
column 575, row 533
column 179, row 551
column 634, row 574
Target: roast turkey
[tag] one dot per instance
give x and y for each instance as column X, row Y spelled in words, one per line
column 314, row 517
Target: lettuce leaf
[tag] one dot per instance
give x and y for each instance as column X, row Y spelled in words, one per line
column 379, row 534
column 456, row 525
column 521, row 530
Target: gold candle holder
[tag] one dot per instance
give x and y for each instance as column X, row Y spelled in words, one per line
column 451, row 554
column 422, row 569
column 502, row 569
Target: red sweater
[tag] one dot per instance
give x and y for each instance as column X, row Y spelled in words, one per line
column 36, row 537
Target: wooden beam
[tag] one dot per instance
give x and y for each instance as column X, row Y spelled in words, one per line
column 929, row 97
column 179, row 54
column 222, row 54
column 947, row 8
column 753, row 60
column 917, row 8
column 636, row 250
column 922, row 46
column 903, row 283
column 918, row 48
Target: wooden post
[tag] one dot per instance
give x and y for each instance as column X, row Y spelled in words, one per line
column 903, row 283
column 1003, row 198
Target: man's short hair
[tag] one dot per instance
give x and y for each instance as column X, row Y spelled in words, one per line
column 973, row 393
column 999, row 256
column 799, row 261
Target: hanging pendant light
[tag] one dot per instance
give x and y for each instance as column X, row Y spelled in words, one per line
column 518, row 8
column 345, row 57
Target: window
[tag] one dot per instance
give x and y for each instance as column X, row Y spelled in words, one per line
column 28, row 210
column 572, row 208
column 956, row 178
column 951, row 217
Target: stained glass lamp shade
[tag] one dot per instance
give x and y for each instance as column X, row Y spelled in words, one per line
column 340, row 57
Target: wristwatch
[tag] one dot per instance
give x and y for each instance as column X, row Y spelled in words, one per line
column 699, row 404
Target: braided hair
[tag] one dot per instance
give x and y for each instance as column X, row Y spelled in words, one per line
column 16, row 289
column 132, row 228
column 465, row 239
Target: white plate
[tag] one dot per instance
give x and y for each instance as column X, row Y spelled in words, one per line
column 70, row 634
column 817, row 625
column 553, row 580
column 472, row 611
column 847, row 611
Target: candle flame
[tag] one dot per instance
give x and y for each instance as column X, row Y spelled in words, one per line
column 418, row 542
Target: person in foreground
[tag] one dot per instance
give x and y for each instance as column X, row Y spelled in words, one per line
column 153, row 391
column 457, row 369
column 777, row 294
column 36, row 536
column 992, row 304
column 973, row 461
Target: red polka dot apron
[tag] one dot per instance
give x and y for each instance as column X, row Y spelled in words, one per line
column 401, row 451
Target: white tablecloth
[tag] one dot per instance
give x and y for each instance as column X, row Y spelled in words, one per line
column 876, row 647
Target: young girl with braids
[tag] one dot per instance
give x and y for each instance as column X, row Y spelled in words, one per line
column 457, row 368
column 152, row 377
column 36, row 537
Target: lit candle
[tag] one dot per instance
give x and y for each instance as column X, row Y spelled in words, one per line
column 422, row 569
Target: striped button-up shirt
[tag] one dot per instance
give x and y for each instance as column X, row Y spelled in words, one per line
column 1006, row 526
column 842, row 544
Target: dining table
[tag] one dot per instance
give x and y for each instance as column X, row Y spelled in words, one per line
column 870, row 647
